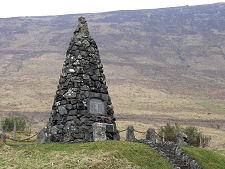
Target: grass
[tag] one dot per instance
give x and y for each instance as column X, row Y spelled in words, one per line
column 108, row 154
column 208, row 159
column 213, row 107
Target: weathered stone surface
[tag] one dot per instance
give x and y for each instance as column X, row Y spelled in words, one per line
column 150, row 135
column 97, row 106
column 82, row 96
column 181, row 139
column 42, row 136
column 62, row 110
column 130, row 134
column 2, row 136
column 99, row 131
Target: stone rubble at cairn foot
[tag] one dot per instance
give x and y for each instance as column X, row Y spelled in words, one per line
column 81, row 84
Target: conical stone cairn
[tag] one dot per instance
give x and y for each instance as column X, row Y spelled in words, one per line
column 82, row 110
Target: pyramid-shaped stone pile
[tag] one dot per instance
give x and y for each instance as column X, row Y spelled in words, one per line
column 82, row 109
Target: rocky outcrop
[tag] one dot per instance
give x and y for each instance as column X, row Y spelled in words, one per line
column 82, row 97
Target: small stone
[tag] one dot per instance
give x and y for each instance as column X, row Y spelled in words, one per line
column 97, row 72
column 83, row 119
column 70, row 94
column 54, row 130
column 72, row 118
column 99, row 66
column 76, row 79
column 72, row 112
column 86, row 77
column 61, row 80
column 62, row 102
column 71, row 70
column 76, row 63
column 62, row 110
column 84, row 88
column 57, row 103
column 86, row 43
column 91, row 50
column 83, row 53
column 78, row 43
column 73, row 101
column 69, row 106
column 79, row 57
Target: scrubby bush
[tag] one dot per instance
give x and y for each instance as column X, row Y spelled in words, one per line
column 170, row 132
column 7, row 124
column 194, row 137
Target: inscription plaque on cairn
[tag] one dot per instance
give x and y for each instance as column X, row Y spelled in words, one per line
column 82, row 110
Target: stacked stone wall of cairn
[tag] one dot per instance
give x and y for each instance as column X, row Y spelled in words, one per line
column 82, row 97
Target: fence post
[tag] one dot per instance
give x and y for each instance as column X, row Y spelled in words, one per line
column 130, row 134
column 200, row 140
column 163, row 135
column 14, row 130
column 151, row 135
column 30, row 128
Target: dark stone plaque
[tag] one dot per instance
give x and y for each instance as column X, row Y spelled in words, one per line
column 110, row 127
column 97, row 106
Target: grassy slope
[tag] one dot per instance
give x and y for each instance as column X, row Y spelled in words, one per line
column 109, row 154
column 208, row 159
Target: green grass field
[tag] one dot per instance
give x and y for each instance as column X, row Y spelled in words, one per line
column 109, row 154
column 99, row 155
column 208, row 159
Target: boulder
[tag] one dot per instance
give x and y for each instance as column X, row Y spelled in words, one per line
column 42, row 136
column 181, row 139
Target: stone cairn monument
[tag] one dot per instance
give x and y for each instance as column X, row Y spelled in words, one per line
column 82, row 110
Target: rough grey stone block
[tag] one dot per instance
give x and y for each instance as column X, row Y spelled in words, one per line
column 130, row 134
column 150, row 135
column 62, row 110
column 181, row 139
column 99, row 131
column 42, row 137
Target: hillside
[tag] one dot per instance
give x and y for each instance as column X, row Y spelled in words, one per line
column 161, row 65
